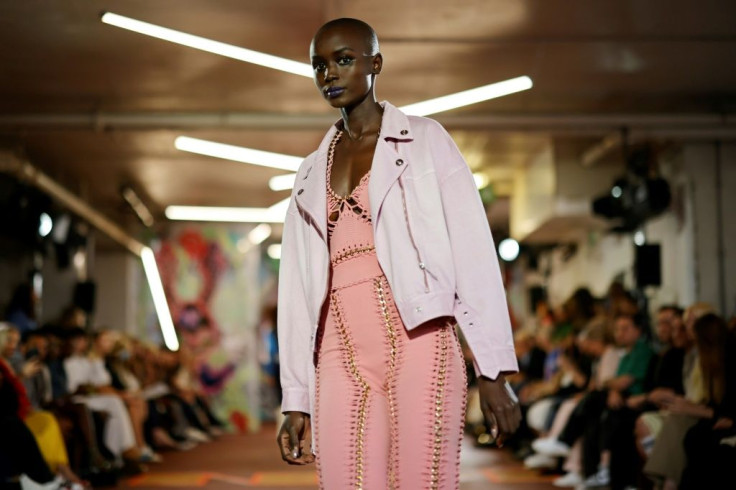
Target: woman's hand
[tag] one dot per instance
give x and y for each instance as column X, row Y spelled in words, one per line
column 680, row 405
column 615, row 400
column 661, row 396
column 636, row 401
column 500, row 407
column 294, row 439
column 723, row 423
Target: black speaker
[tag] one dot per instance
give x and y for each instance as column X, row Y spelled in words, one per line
column 648, row 265
column 84, row 295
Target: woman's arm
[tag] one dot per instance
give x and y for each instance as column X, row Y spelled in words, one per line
column 485, row 317
column 294, row 339
column 293, row 325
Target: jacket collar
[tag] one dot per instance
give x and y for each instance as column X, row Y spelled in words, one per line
column 311, row 189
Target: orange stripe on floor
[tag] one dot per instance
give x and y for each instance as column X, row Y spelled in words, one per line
column 516, row 474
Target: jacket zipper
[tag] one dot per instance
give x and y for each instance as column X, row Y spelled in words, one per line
column 411, row 236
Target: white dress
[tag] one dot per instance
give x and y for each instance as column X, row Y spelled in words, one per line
column 82, row 370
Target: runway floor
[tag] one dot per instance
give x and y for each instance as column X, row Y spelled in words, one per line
column 252, row 461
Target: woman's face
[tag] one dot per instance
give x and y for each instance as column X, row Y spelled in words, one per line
column 11, row 343
column 343, row 66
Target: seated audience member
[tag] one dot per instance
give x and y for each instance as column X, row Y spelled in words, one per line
column 597, row 342
column 47, row 391
column 102, row 346
column 89, row 382
column 21, row 310
column 649, row 425
column 664, row 378
column 705, row 419
column 120, row 364
column 710, row 446
column 585, row 420
column 43, row 427
column 184, row 386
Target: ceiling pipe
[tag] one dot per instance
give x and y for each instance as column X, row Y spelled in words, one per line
column 272, row 121
column 25, row 171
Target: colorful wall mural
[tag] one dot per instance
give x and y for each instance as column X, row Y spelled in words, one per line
column 215, row 284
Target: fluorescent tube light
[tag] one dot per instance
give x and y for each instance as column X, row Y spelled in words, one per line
column 159, row 299
column 282, row 182
column 238, row 153
column 259, row 233
column 144, row 214
column 273, row 214
column 203, row 44
column 467, row 97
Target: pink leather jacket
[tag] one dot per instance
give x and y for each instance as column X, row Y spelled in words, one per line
column 432, row 241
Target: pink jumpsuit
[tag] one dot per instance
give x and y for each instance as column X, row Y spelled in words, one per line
column 390, row 404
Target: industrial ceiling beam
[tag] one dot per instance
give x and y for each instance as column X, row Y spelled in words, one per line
column 681, row 124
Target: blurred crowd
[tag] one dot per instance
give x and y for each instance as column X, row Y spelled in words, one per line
column 81, row 408
column 611, row 399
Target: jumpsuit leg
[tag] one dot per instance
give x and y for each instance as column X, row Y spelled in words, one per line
column 351, row 417
column 431, row 398
column 390, row 405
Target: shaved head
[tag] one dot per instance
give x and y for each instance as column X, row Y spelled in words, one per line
column 366, row 32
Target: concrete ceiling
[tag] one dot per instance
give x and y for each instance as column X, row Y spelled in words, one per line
column 97, row 107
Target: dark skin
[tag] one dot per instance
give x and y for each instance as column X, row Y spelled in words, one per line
column 346, row 62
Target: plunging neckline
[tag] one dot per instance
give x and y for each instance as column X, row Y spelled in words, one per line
column 330, row 161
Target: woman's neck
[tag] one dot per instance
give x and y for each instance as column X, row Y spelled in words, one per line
column 363, row 119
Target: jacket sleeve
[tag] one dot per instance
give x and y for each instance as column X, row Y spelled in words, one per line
column 294, row 327
column 481, row 310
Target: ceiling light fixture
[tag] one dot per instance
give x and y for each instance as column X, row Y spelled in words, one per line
column 282, row 182
column 159, row 299
column 141, row 210
column 468, row 97
column 273, row 214
column 290, row 162
column 203, row 44
column 259, row 233
column 238, row 153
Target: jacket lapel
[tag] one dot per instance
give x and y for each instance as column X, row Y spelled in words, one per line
column 388, row 162
column 386, row 168
column 311, row 188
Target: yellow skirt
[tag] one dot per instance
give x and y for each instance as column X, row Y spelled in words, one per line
column 48, row 436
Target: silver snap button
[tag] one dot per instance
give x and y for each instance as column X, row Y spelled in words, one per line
column 404, row 131
column 399, row 162
column 419, row 308
column 422, row 266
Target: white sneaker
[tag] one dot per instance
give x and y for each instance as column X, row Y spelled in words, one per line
column 27, row 484
column 571, row 480
column 196, row 435
column 540, row 461
column 551, row 447
column 600, row 479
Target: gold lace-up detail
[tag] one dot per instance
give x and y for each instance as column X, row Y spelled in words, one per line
column 337, row 203
column 365, row 389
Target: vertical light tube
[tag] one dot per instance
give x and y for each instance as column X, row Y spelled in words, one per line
column 159, row 299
